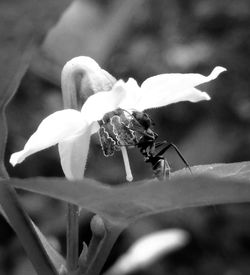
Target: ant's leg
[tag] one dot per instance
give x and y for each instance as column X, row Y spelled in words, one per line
column 161, row 169
column 167, row 168
column 158, row 144
column 177, row 151
column 181, row 156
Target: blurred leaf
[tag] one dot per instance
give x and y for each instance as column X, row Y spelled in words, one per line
column 126, row 203
column 56, row 258
column 23, row 26
column 24, row 229
column 85, row 28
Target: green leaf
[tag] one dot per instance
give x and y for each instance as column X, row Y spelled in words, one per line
column 56, row 258
column 23, row 26
column 84, row 29
column 21, row 223
column 238, row 170
column 126, row 203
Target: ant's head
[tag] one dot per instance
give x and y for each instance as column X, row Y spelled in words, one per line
column 143, row 119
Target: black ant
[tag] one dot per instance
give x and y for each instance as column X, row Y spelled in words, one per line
column 148, row 145
column 117, row 130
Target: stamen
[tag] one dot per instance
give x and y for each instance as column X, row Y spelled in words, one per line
column 129, row 175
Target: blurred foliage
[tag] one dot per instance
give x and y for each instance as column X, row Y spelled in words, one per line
column 163, row 36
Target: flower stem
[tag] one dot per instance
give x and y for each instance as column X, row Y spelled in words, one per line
column 70, row 101
column 72, row 236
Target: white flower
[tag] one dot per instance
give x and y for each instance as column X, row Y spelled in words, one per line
column 71, row 129
column 148, row 249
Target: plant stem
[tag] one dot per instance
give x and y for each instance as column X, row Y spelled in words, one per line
column 97, row 262
column 70, row 101
column 24, row 229
column 72, row 236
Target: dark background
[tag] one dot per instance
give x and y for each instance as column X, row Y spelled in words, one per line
column 139, row 40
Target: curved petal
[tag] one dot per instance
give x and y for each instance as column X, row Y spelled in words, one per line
column 94, row 127
column 73, row 155
column 97, row 105
column 166, row 89
column 55, row 128
column 132, row 94
column 148, row 249
column 82, row 77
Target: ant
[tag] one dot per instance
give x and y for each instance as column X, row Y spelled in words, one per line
column 117, row 130
column 148, row 145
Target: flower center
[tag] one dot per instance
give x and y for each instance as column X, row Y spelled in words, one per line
column 114, row 132
column 120, row 129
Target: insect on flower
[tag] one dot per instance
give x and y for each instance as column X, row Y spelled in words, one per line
column 101, row 112
column 120, row 128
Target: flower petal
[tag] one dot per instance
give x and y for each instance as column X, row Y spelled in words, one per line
column 97, row 105
column 132, row 94
column 73, row 155
column 148, row 249
column 53, row 129
column 166, row 89
column 82, row 77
